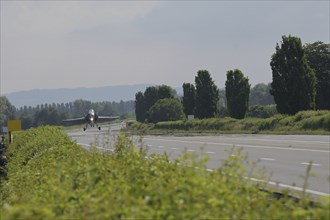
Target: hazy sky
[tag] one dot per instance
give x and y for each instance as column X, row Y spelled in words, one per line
column 68, row 44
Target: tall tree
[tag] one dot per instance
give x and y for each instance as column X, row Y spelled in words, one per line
column 80, row 107
column 166, row 92
column 154, row 93
column 108, row 109
column 140, row 110
column 260, row 95
column 293, row 85
column 207, row 95
column 237, row 93
column 150, row 96
column 188, row 100
column 7, row 111
column 27, row 120
column 318, row 57
column 47, row 116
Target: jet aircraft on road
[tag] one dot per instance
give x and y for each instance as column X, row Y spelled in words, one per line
column 90, row 119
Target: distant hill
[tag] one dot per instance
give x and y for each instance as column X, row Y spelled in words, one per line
column 42, row 96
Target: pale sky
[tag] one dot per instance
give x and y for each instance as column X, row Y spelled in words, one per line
column 69, row 44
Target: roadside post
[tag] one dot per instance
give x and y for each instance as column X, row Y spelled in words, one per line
column 13, row 125
column 191, row 117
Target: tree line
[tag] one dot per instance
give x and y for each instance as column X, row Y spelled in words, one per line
column 55, row 113
column 300, row 81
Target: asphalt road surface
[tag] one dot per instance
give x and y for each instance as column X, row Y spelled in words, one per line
column 285, row 158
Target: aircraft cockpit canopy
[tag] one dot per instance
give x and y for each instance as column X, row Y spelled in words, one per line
column 91, row 112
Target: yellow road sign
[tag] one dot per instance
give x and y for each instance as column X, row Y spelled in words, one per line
column 14, row 125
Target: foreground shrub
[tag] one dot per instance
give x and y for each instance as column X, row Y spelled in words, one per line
column 63, row 181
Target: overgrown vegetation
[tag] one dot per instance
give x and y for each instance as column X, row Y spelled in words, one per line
column 304, row 122
column 51, row 177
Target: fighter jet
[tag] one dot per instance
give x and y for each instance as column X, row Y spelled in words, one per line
column 90, row 119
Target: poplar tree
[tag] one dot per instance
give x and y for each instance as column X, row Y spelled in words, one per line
column 140, row 111
column 207, row 95
column 237, row 93
column 293, row 85
column 188, row 100
column 318, row 57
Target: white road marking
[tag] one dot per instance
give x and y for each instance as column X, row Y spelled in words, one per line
column 295, row 141
column 268, row 159
column 285, row 186
column 313, row 164
column 239, row 145
column 191, row 150
column 291, row 187
column 210, row 152
column 173, row 148
column 160, row 146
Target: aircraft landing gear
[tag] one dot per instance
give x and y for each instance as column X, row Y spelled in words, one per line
column 85, row 128
column 98, row 127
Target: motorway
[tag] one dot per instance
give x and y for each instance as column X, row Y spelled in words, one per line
column 284, row 157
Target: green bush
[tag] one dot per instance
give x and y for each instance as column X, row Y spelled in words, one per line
column 166, row 110
column 261, row 111
column 61, row 180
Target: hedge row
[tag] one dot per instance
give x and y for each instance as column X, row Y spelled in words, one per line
column 302, row 122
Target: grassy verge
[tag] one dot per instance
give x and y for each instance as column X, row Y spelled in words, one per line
column 305, row 122
column 48, row 176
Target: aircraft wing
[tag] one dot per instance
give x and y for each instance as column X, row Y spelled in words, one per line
column 101, row 119
column 74, row 121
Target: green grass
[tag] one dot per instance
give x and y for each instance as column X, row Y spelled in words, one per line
column 305, row 122
column 48, row 176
